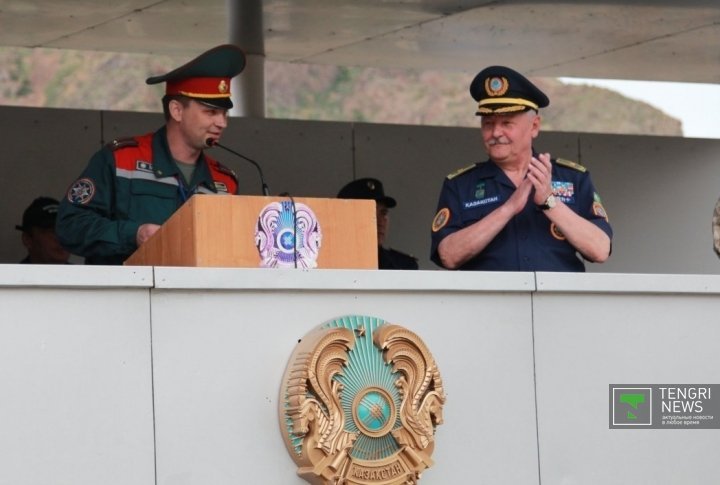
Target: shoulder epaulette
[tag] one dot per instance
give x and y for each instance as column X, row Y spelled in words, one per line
column 570, row 164
column 122, row 143
column 461, row 171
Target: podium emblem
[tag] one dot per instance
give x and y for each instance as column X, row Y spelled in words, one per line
column 288, row 235
column 359, row 404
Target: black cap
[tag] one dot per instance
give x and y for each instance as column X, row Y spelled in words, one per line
column 500, row 90
column 207, row 77
column 366, row 188
column 41, row 213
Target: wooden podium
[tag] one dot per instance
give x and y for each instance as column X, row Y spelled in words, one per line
column 220, row 231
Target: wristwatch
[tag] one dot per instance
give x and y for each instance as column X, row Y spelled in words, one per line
column 548, row 204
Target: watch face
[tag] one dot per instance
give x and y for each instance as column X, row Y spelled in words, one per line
column 550, row 202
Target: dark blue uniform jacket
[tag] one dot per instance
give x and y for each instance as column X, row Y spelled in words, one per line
column 529, row 242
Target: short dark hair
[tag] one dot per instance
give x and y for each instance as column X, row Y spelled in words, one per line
column 184, row 100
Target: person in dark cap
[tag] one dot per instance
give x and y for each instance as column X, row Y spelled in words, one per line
column 520, row 210
column 133, row 185
column 38, row 233
column 372, row 189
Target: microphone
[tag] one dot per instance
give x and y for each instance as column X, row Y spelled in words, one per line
column 211, row 142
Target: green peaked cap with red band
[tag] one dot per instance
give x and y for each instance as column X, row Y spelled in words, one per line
column 207, row 77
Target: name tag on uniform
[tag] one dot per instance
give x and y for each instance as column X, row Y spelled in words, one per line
column 477, row 203
column 144, row 166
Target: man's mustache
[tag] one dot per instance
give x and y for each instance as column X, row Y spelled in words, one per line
column 498, row 141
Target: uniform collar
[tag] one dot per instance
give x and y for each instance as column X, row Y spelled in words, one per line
column 490, row 169
column 165, row 166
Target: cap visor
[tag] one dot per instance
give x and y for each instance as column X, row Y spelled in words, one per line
column 388, row 201
column 221, row 103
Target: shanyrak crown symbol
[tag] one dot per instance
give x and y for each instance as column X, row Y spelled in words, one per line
column 360, row 402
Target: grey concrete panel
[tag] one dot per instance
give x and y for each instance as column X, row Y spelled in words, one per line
column 584, row 343
column 122, row 124
column 659, row 193
column 303, row 158
column 80, row 377
column 75, row 276
column 219, row 358
column 340, row 279
column 42, row 148
column 412, row 163
column 76, row 379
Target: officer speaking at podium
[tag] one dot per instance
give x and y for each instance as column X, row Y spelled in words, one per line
column 133, row 185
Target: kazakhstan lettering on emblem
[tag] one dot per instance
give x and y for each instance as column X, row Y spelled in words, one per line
column 360, row 402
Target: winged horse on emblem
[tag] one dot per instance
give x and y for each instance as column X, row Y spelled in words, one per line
column 314, row 405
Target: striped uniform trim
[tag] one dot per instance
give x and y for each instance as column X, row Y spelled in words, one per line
column 140, row 175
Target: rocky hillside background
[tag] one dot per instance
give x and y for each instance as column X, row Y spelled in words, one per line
column 112, row 81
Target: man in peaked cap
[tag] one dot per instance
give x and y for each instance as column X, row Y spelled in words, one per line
column 520, row 210
column 372, row 189
column 133, row 185
column 38, row 233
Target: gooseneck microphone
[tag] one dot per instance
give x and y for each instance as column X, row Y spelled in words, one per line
column 210, row 142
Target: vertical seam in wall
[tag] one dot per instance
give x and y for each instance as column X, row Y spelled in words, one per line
column 352, row 149
column 152, row 388
column 535, row 387
column 102, row 128
column 579, row 149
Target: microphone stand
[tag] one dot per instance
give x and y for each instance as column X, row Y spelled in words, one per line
column 213, row 143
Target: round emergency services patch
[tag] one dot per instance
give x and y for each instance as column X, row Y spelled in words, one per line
column 81, row 192
column 441, row 218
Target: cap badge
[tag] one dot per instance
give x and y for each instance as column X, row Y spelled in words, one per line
column 496, row 86
column 223, row 87
column 371, row 185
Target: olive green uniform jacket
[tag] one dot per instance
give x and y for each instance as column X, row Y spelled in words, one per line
column 128, row 183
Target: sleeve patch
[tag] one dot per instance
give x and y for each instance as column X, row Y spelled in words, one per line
column 81, row 192
column 599, row 211
column 441, row 219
